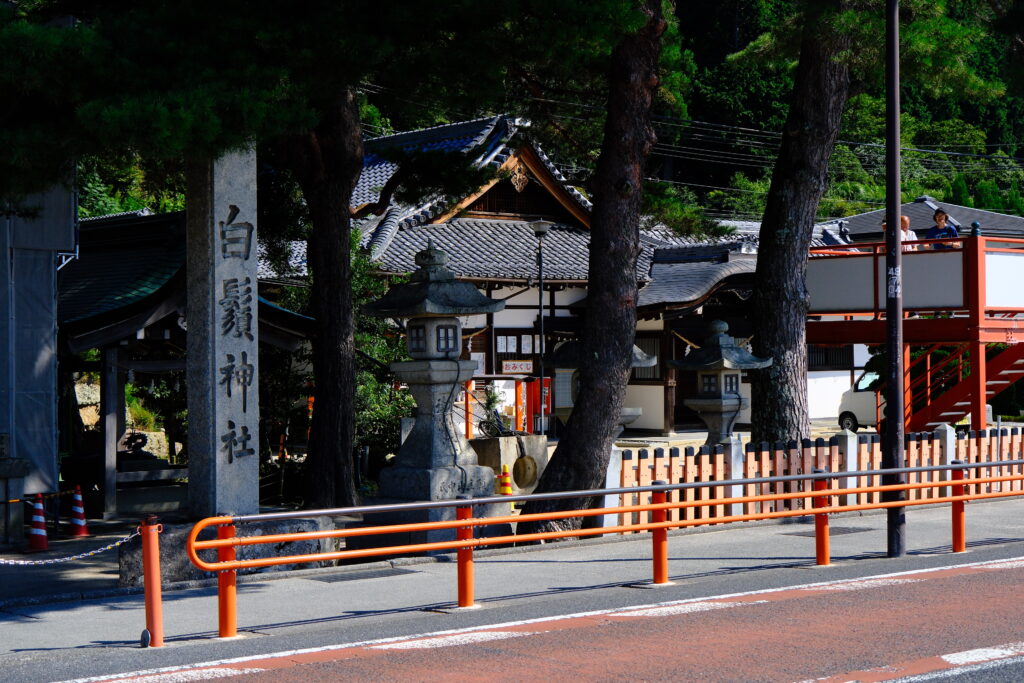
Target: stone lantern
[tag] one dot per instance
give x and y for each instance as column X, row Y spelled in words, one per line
column 435, row 462
column 569, row 355
column 719, row 364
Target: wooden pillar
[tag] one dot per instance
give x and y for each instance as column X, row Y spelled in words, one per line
column 974, row 254
column 908, row 406
column 519, row 406
column 112, row 405
column 979, row 386
column 668, row 374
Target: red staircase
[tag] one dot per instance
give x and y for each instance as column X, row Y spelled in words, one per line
column 939, row 395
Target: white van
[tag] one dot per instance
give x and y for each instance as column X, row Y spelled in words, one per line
column 858, row 406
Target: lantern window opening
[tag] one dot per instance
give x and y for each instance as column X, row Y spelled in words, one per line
column 447, row 338
column 417, row 338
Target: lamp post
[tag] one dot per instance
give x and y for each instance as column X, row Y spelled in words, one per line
column 540, row 229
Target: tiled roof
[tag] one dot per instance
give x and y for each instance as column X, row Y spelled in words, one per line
column 493, row 249
column 296, row 269
column 867, row 226
column 482, row 137
column 120, row 263
column 687, row 274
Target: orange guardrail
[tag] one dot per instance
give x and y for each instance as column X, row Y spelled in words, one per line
column 464, row 524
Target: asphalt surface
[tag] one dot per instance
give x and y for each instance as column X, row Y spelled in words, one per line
column 98, row 636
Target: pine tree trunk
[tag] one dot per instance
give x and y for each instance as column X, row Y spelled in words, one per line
column 609, row 328
column 779, row 397
column 327, row 163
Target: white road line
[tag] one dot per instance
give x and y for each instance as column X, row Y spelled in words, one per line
column 449, row 641
column 191, row 675
column 1017, row 564
column 985, row 654
column 685, row 608
column 867, row 584
column 511, row 624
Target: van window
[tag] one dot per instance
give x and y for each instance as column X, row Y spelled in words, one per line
column 866, row 382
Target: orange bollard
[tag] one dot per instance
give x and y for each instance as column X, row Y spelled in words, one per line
column 659, row 538
column 227, row 612
column 37, row 540
column 822, row 545
column 465, row 556
column 150, row 530
column 78, row 526
column 959, row 520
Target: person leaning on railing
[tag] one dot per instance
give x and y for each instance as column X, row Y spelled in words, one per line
column 942, row 229
column 908, row 235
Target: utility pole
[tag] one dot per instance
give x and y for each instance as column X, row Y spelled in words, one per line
column 892, row 451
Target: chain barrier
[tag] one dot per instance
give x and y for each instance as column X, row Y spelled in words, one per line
column 58, row 560
column 44, row 495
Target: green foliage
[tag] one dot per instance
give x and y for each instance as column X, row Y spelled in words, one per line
column 142, row 418
column 119, row 184
column 677, row 207
column 959, row 193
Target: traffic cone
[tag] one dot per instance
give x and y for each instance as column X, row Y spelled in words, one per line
column 78, row 526
column 37, row 541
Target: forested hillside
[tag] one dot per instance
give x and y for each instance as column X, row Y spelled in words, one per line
column 962, row 144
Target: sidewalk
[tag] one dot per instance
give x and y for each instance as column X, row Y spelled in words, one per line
column 734, row 558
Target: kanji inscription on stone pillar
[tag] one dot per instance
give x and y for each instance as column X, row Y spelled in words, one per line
column 223, row 367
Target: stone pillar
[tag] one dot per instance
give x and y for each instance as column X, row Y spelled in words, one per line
column 222, row 370
column 736, row 458
column 111, row 406
column 848, row 462
column 945, row 435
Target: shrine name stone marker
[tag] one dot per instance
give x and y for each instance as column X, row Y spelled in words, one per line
column 223, row 377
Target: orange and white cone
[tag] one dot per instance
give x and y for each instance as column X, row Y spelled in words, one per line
column 37, row 541
column 78, row 526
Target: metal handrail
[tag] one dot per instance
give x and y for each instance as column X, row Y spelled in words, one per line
column 658, row 524
column 590, row 493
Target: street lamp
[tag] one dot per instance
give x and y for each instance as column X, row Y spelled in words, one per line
column 540, row 228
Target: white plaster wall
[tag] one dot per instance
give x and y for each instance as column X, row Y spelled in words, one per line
column 824, row 389
column 930, row 279
column 860, row 355
column 1002, row 280
column 516, row 318
column 650, row 325
column 569, row 295
column 652, row 400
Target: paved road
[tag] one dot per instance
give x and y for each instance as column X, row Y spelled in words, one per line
column 877, row 628
column 718, row 620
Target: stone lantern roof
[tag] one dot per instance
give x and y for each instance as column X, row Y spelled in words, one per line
column 720, row 352
column 432, row 291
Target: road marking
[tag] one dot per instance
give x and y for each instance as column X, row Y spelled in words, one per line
column 1015, row 564
column 370, row 644
column 685, row 608
column 191, row 675
column 959, row 664
column 984, row 654
column 868, row 584
column 449, row 641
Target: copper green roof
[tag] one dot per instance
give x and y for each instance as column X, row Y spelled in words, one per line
column 122, row 262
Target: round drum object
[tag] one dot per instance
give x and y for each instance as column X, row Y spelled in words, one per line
column 524, row 472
